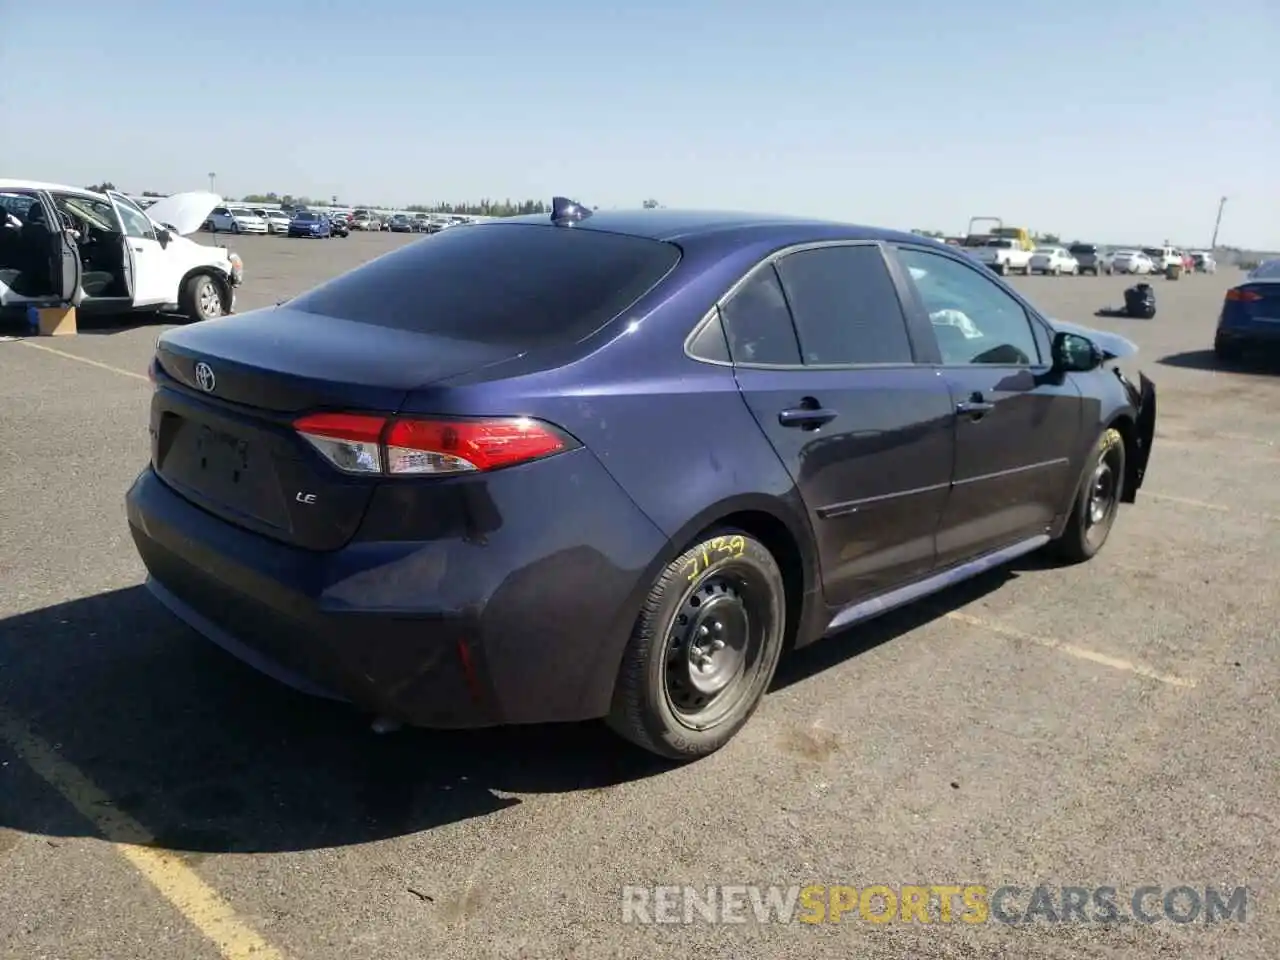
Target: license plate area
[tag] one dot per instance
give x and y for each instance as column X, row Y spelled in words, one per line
column 225, row 468
column 224, row 458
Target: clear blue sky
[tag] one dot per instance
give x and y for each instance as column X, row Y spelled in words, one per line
column 1108, row 120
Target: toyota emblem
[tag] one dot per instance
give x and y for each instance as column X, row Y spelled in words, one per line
column 205, row 379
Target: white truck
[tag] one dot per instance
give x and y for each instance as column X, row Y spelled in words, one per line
column 100, row 252
column 1003, row 255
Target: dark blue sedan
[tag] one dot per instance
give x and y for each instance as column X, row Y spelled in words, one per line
column 1250, row 316
column 614, row 464
column 307, row 223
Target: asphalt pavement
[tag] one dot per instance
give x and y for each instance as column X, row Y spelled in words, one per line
column 1111, row 724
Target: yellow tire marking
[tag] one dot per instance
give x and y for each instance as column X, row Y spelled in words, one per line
column 199, row 903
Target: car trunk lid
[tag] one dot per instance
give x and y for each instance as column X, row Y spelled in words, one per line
column 1260, row 300
column 229, row 390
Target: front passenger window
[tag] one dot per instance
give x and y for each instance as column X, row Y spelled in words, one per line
column 974, row 320
column 758, row 323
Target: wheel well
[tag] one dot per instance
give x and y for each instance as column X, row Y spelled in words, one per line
column 224, row 286
column 1129, row 434
column 773, row 533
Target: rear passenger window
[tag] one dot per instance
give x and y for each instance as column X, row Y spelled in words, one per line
column 845, row 305
column 709, row 342
column 758, row 323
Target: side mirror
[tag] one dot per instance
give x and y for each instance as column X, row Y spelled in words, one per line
column 164, row 236
column 1073, row 353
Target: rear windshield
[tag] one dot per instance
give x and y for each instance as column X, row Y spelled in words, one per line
column 1084, row 248
column 1153, row 251
column 524, row 285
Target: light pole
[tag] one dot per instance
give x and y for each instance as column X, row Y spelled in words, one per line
column 1213, row 244
column 212, row 177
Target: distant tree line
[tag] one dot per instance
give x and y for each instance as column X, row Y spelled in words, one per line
column 484, row 208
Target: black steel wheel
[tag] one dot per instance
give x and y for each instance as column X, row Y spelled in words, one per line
column 704, row 648
column 1097, row 500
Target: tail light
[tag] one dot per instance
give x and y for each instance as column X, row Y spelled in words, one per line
column 409, row 446
column 1243, row 296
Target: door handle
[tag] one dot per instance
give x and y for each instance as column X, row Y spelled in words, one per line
column 976, row 407
column 138, row 249
column 807, row 418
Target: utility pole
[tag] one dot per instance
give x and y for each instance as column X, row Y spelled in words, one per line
column 212, row 178
column 1213, row 244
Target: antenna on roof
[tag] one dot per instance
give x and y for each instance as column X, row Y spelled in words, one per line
column 566, row 211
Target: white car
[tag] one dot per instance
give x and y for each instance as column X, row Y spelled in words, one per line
column 1162, row 258
column 1204, row 262
column 1054, row 260
column 235, row 220
column 101, row 253
column 1132, row 261
column 277, row 220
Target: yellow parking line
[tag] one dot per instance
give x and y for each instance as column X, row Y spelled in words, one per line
column 92, row 363
column 1205, row 505
column 1072, row 650
column 1246, row 438
column 178, row 883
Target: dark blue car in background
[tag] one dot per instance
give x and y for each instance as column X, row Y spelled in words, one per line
column 1250, row 316
column 614, row 464
column 307, row 223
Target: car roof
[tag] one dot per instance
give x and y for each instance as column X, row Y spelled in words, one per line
column 41, row 185
column 676, row 225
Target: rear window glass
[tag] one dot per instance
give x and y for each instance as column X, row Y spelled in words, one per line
column 1079, row 248
column 525, row 285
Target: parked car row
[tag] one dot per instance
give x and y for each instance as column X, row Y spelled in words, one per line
column 1005, row 256
column 405, row 222
column 295, row 223
column 1156, row 260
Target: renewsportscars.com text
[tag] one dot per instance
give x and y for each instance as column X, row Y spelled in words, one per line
column 933, row 903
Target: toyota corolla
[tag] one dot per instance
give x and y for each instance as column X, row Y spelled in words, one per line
column 614, row 465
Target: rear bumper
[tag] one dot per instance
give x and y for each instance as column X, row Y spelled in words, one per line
column 522, row 623
column 1244, row 332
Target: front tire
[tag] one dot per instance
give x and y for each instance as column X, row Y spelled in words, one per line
column 200, row 298
column 1097, row 501
column 704, row 648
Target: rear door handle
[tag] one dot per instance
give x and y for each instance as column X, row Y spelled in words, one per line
column 138, row 249
column 975, row 407
column 806, row 417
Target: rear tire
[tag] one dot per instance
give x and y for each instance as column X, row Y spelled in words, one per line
column 1226, row 352
column 1097, row 501
column 704, row 648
